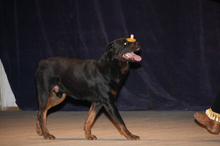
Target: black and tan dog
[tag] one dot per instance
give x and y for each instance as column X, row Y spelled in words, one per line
column 97, row 81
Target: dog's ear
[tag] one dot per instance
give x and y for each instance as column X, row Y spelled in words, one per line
column 110, row 47
column 109, row 52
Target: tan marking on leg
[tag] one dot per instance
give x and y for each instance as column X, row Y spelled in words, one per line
column 52, row 101
column 88, row 124
column 89, row 121
column 94, row 109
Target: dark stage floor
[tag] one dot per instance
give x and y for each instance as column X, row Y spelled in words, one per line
column 155, row 129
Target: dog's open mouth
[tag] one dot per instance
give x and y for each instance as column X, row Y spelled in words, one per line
column 132, row 56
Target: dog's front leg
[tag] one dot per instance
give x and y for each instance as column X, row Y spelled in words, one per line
column 94, row 109
column 112, row 109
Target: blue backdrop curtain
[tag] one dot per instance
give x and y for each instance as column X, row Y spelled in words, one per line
column 180, row 42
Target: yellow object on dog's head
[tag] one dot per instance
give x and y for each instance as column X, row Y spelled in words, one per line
column 131, row 39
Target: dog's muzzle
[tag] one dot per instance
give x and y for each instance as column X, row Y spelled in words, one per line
column 132, row 56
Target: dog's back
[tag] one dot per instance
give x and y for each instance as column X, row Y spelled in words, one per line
column 74, row 77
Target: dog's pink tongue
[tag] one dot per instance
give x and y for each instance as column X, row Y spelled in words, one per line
column 134, row 56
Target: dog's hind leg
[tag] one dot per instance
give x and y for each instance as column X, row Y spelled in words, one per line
column 94, row 109
column 45, row 105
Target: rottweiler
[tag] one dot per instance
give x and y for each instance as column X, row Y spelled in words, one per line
column 95, row 80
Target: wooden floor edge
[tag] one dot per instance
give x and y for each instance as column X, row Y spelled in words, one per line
column 12, row 108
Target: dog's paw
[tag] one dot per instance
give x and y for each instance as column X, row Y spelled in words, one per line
column 49, row 137
column 131, row 136
column 134, row 137
column 90, row 137
column 39, row 131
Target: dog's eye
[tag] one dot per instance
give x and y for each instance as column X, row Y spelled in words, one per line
column 125, row 44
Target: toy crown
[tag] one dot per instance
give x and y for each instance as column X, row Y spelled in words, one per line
column 131, row 39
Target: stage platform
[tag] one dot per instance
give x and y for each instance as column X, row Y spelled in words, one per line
column 155, row 128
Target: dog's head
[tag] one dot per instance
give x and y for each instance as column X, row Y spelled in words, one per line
column 124, row 50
